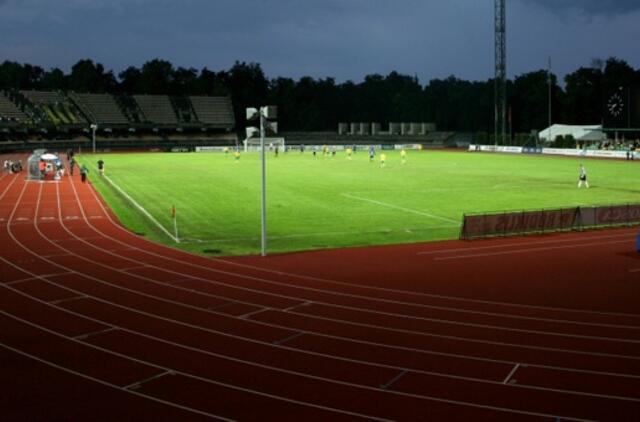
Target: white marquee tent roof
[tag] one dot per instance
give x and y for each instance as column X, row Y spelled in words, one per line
column 591, row 133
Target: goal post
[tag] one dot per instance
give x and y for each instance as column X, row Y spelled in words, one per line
column 253, row 144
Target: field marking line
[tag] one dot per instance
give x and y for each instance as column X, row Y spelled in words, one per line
column 517, row 251
column 634, row 270
column 513, row 371
column 384, row 204
column 508, row 245
column 140, row 208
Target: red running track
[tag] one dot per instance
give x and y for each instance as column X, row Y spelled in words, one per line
column 98, row 323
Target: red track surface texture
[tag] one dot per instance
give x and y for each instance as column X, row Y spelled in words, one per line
column 99, row 324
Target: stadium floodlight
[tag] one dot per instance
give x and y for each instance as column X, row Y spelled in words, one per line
column 269, row 112
column 271, row 128
column 252, row 132
column 265, row 113
column 252, row 114
column 93, row 127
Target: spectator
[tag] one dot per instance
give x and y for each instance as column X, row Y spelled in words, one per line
column 72, row 165
column 42, row 166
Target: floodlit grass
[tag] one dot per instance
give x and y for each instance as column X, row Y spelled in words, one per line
column 333, row 202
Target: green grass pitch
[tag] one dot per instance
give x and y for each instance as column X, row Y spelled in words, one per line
column 329, row 201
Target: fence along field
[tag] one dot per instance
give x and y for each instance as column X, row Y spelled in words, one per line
column 330, row 201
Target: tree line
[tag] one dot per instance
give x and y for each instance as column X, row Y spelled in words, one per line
column 309, row 104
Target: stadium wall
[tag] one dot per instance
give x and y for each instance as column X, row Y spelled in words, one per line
column 509, row 223
column 572, row 152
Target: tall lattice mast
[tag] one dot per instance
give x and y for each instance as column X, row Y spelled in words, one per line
column 501, row 71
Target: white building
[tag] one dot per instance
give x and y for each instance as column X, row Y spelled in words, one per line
column 590, row 133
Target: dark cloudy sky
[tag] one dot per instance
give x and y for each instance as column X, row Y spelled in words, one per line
column 346, row 39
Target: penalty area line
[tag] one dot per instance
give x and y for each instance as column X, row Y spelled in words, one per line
column 384, row 204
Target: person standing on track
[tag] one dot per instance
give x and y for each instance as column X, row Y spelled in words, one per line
column 72, row 165
column 83, row 173
column 582, row 178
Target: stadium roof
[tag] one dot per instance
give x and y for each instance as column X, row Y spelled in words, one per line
column 592, row 133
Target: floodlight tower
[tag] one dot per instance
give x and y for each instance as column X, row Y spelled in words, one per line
column 500, row 79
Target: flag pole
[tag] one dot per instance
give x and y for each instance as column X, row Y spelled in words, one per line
column 175, row 223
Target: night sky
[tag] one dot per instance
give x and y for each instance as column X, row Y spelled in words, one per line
column 345, row 39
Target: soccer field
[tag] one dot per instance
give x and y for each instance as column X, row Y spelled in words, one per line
column 329, row 201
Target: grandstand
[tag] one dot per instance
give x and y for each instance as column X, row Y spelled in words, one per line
column 54, row 107
column 213, row 110
column 101, row 108
column 157, row 109
column 9, row 111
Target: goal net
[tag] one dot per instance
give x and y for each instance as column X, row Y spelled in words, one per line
column 270, row 144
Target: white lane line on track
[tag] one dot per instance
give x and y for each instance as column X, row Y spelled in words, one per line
column 107, row 384
column 409, row 210
column 527, row 250
column 250, row 314
column 288, row 339
column 635, row 270
column 393, row 380
column 68, row 299
column 513, row 371
column 291, row 308
column 324, row 280
column 136, row 385
column 94, row 333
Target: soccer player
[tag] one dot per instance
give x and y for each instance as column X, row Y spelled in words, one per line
column 383, row 158
column 237, row 155
column 403, row 156
column 372, row 153
column 349, row 152
column 582, row 178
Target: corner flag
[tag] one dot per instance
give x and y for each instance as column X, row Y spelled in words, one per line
column 175, row 223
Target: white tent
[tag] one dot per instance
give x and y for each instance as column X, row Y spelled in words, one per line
column 590, row 133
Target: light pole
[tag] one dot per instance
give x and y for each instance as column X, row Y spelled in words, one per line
column 266, row 115
column 94, row 127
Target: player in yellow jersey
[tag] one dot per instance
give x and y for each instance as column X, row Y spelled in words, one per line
column 403, row 156
column 349, row 153
column 383, row 158
column 237, row 155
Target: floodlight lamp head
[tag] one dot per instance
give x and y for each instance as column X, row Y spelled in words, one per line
column 252, row 113
column 252, row 132
column 271, row 128
column 269, row 112
column 93, row 126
